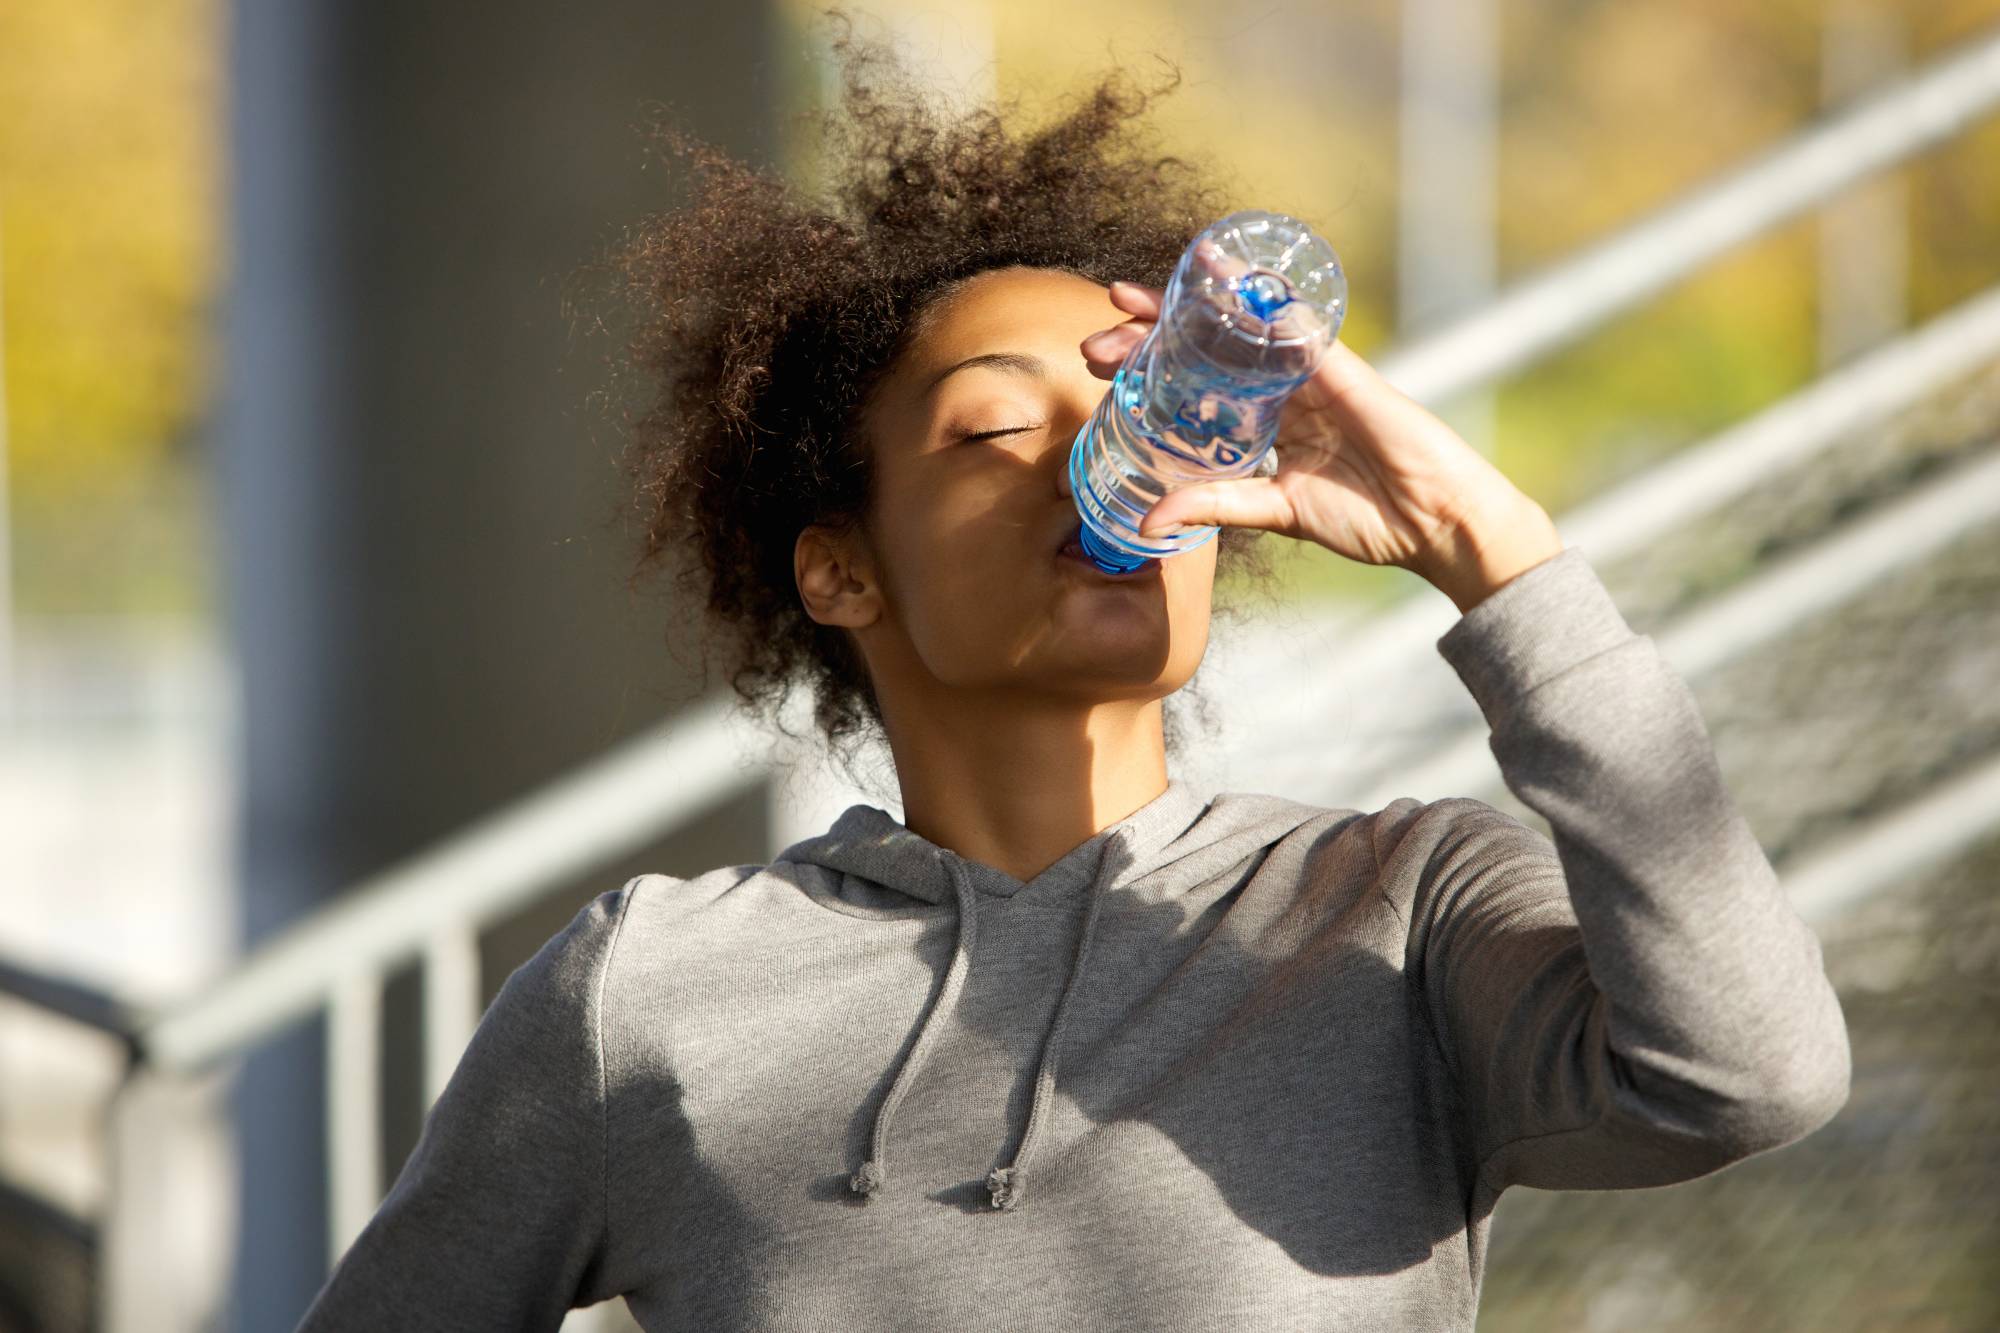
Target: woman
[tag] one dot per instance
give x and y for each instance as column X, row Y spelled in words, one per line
column 1071, row 1046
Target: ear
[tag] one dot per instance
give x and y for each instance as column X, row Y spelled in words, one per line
column 834, row 578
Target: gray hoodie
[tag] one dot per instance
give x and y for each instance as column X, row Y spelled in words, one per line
column 1231, row 1063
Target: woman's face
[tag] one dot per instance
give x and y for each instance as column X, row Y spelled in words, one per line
column 963, row 536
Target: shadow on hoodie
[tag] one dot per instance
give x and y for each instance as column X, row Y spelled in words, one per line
column 1202, row 993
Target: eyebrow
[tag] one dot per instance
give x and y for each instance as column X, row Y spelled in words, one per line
column 1019, row 363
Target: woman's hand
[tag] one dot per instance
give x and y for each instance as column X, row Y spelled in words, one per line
column 1364, row 471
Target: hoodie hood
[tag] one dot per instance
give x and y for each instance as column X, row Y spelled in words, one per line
column 867, row 842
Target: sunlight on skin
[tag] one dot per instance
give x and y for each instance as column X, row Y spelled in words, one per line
column 1021, row 690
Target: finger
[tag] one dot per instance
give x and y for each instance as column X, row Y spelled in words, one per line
column 1134, row 299
column 1347, row 372
column 1107, row 349
column 1240, row 502
column 1363, row 402
column 1218, row 262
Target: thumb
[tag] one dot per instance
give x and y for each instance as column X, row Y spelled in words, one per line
column 1240, row 502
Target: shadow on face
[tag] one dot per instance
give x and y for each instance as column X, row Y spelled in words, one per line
column 957, row 580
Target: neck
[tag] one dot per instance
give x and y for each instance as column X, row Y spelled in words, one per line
column 1016, row 784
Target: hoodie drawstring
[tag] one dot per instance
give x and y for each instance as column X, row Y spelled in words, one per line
column 1005, row 1184
column 874, row 1172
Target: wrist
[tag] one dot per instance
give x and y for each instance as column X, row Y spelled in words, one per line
column 1492, row 548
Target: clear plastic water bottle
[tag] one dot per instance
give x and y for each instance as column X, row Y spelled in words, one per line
column 1251, row 308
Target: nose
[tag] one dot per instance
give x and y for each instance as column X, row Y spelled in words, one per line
column 1075, row 426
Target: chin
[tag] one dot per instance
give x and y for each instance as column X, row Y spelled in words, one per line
column 1109, row 676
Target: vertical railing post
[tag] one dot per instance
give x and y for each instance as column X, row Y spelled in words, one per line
column 451, row 1003
column 353, row 1108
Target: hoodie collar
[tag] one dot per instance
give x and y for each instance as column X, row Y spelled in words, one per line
column 868, row 842
column 875, row 845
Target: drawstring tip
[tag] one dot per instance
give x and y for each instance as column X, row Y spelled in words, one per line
column 867, row 1180
column 1004, row 1183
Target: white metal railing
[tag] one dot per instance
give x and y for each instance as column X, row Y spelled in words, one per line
column 433, row 906
column 1925, row 831
column 618, row 802
column 1779, row 596
column 1536, row 316
column 1574, row 295
column 1631, row 516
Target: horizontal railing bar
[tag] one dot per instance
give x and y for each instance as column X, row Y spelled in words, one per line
column 1895, row 845
column 1536, row 315
column 1632, row 515
column 1827, row 573
column 74, row 1000
column 1698, row 481
column 611, row 805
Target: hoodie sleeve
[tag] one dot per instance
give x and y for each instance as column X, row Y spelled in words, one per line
column 497, row 1220
column 1636, row 1003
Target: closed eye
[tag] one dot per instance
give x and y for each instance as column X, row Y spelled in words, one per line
column 990, row 434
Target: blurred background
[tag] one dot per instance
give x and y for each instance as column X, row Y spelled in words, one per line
column 324, row 701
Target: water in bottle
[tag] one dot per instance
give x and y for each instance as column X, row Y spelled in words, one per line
column 1251, row 308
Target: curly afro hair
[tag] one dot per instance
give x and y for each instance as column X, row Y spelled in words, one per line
column 762, row 321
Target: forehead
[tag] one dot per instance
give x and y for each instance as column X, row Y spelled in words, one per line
column 1002, row 308
column 1040, row 312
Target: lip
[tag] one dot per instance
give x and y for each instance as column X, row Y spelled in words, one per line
column 1070, row 551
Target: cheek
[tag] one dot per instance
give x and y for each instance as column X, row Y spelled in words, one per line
column 1190, row 590
column 1190, row 581
column 955, row 587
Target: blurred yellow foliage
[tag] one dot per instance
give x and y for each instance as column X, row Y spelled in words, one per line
column 1608, row 109
column 111, row 136
column 112, row 140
